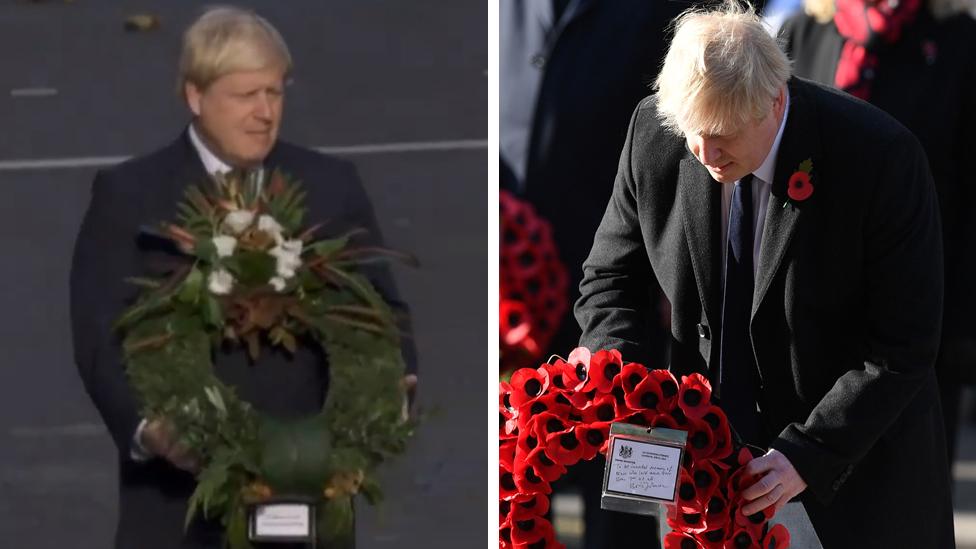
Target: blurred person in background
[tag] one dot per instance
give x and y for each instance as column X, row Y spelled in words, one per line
column 916, row 60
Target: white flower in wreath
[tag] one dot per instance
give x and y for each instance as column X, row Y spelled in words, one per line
column 287, row 258
column 238, row 220
column 220, row 282
column 277, row 283
column 225, row 245
column 268, row 224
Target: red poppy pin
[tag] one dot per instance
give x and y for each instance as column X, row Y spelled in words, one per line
column 799, row 187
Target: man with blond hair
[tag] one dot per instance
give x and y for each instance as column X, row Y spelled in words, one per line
column 233, row 68
column 796, row 232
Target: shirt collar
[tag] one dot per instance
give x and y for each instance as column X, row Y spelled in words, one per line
column 767, row 169
column 211, row 163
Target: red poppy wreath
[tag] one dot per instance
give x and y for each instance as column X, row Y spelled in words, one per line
column 533, row 284
column 553, row 416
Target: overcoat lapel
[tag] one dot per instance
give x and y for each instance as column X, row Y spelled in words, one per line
column 801, row 141
column 700, row 198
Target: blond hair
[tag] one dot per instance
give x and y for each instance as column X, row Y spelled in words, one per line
column 722, row 70
column 823, row 10
column 227, row 39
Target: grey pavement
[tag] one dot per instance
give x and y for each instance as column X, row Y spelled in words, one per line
column 397, row 87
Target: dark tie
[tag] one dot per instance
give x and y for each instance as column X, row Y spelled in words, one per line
column 738, row 374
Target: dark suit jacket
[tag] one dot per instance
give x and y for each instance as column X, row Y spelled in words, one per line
column 846, row 312
column 933, row 97
column 145, row 191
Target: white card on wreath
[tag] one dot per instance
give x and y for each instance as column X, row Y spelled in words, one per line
column 645, row 469
column 282, row 520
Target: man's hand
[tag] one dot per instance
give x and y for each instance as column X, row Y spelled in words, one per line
column 778, row 483
column 409, row 386
column 160, row 439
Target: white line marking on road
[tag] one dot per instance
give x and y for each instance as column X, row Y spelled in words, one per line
column 341, row 150
column 33, row 92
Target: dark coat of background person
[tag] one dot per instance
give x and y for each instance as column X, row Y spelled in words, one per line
column 143, row 192
column 935, row 97
column 597, row 64
column 846, row 313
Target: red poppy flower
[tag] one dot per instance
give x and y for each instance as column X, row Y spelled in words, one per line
column 743, row 538
column 507, row 489
column 546, row 468
column 664, row 420
column 799, row 187
column 602, row 408
column 534, row 504
column 513, row 322
column 631, row 375
column 528, row 438
column 669, row 388
column 695, row 395
column 527, row 385
column 532, row 530
column 778, row 537
column 644, row 418
column 755, row 522
column 528, row 480
column 506, row 454
column 564, row 447
column 717, row 512
column 505, row 536
column 701, row 440
column 713, row 538
column 689, row 521
column 680, row 540
column 592, row 438
column 646, row 395
column 687, row 500
column 553, row 402
column 562, row 375
column 579, row 358
column 716, row 419
column 706, row 479
column 604, row 368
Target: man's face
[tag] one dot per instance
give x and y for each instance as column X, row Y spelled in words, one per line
column 730, row 157
column 238, row 114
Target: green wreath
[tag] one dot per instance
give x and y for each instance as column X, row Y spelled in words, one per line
column 254, row 276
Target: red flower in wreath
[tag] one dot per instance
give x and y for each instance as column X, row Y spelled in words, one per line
column 546, row 468
column 537, row 505
column 694, row 395
column 646, row 395
column 531, row 530
column 528, row 480
column 527, row 385
column 591, row 438
column 605, row 366
column 680, row 540
column 564, row 447
column 799, row 187
column 506, row 483
column 631, row 375
column 669, row 388
column 717, row 512
column 701, row 440
column 778, row 537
